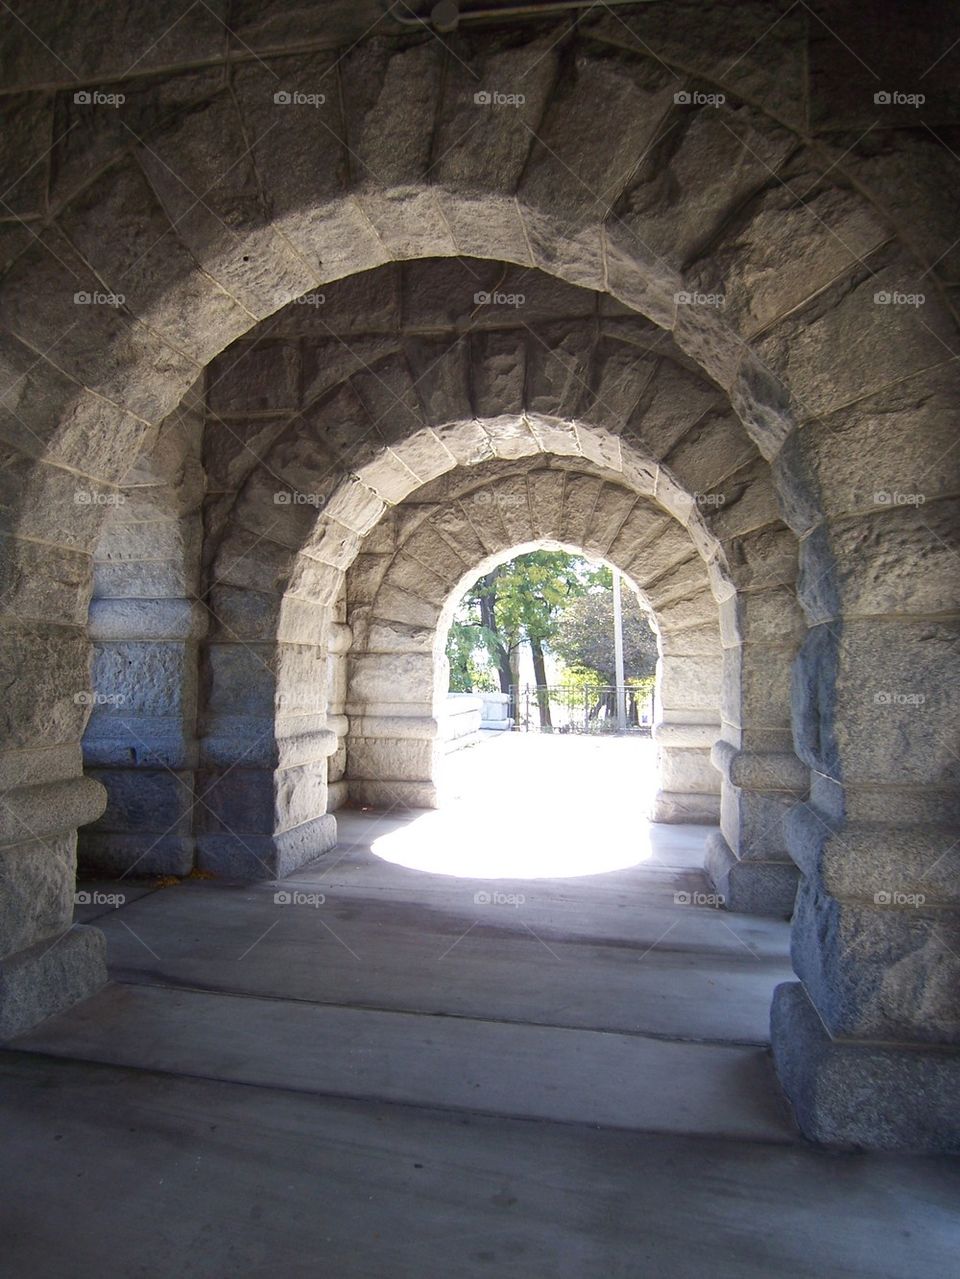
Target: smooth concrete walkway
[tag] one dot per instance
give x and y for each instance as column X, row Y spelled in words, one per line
column 374, row 1070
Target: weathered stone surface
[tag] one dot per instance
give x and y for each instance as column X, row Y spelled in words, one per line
column 752, row 50
column 228, row 231
column 255, row 376
column 685, row 809
column 48, row 977
column 145, row 799
column 787, row 244
column 875, row 703
column 903, row 559
column 762, row 617
column 875, row 1095
column 558, row 369
column 710, row 159
column 397, row 678
column 756, row 690
column 144, row 678
column 752, row 821
column 47, row 680
column 463, row 408
column 36, row 890
column 858, row 326
column 252, row 856
column 897, row 441
column 751, row 887
column 143, row 260
column 687, row 770
column 25, row 124
column 568, row 140
column 40, row 582
column 53, row 302
column 903, row 984
column 712, row 450
column 758, row 771
column 385, row 760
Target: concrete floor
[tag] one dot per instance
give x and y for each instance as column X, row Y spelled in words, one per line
column 372, row 1070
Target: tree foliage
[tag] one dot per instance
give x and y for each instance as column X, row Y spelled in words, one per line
column 555, row 602
column 584, row 638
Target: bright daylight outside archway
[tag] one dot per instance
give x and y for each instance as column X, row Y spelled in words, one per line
column 537, row 775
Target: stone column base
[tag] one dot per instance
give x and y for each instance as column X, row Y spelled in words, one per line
column 751, row 887
column 396, row 793
column 109, row 854
column 50, row 977
column 267, row 856
column 872, row 1095
column 678, row 809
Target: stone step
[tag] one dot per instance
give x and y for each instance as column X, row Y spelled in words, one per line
column 674, row 972
column 494, row 1068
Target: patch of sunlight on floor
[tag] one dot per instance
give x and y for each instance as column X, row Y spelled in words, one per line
column 526, row 806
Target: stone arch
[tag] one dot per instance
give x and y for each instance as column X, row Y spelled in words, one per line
column 819, row 373
column 402, row 591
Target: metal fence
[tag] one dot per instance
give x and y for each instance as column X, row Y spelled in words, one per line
column 563, row 708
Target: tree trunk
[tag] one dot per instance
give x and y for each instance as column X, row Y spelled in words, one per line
column 540, row 674
column 488, row 616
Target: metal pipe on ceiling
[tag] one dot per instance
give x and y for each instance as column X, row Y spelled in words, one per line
column 447, row 15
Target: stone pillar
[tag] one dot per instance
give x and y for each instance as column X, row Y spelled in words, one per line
column 689, row 786
column 688, row 695
column 46, row 962
column 392, row 747
column 338, row 646
column 141, row 741
column 867, row 1042
column 262, row 803
column 762, row 778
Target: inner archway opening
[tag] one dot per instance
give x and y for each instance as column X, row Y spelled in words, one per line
column 546, row 666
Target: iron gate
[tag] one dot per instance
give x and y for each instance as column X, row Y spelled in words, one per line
column 568, row 708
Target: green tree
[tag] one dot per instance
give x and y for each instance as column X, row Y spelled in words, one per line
column 583, row 638
column 518, row 602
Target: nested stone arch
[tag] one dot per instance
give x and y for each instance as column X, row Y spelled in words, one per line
column 802, row 344
column 400, row 593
